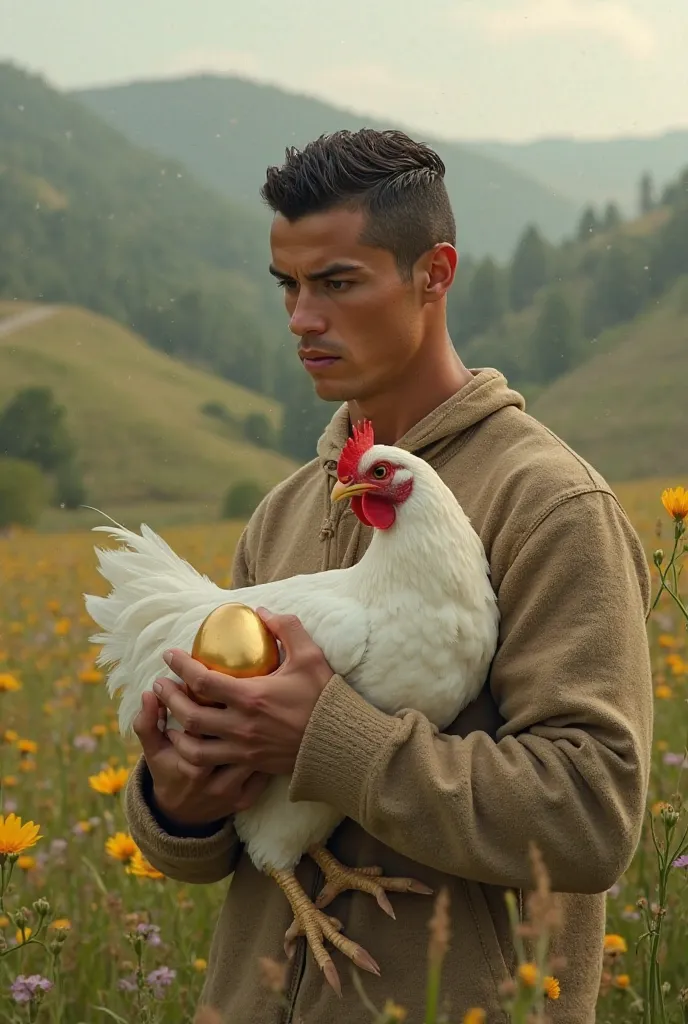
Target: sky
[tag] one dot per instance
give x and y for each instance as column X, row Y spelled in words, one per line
column 514, row 70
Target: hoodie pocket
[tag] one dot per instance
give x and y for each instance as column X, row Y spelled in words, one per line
column 491, row 918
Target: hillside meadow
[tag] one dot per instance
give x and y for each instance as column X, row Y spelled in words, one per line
column 121, row 942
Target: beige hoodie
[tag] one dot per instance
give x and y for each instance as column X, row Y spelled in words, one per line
column 556, row 748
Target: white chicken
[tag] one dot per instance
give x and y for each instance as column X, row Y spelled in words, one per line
column 413, row 625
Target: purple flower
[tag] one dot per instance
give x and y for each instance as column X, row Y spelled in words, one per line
column 614, row 890
column 151, row 933
column 681, row 862
column 159, row 979
column 675, row 760
column 127, row 984
column 86, row 742
column 24, row 988
column 58, row 846
column 10, row 805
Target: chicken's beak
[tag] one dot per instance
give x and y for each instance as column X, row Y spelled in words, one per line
column 340, row 490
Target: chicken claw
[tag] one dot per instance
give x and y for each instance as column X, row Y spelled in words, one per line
column 369, row 879
column 316, row 926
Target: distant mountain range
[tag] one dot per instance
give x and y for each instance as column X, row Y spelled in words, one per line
column 595, row 171
column 228, row 131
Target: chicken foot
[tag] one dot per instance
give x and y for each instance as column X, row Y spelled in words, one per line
column 310, row 921
column 339, row 878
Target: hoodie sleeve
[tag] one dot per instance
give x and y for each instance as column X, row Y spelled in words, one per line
column 569, row 766
column 200, row 855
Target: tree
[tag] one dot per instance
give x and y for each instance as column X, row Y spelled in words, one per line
column 69, row 485
column 554, row 341
column 588, row 224
column 647, row 201
column 33, row 428
column 485, row 301
column 528, row 269
column 258, row 429
column 619, row 289
column 242, row 499
column 23, row 492
column 612, row 217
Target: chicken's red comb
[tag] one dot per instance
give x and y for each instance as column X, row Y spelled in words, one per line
column 362, row 441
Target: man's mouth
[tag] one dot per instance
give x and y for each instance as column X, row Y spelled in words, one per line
column 314, row 361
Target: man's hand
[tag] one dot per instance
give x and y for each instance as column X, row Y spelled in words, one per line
column 263, row 719
column 185, row 795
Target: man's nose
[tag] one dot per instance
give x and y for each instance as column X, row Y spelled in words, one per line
column 306, row 318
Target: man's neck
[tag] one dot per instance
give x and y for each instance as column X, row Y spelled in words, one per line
column 430, row 385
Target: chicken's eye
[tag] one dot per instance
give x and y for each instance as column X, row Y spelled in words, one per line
column 380, row 472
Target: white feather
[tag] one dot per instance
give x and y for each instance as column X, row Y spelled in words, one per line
column 413, row 625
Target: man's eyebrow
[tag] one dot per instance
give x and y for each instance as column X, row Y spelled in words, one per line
column 319, row 275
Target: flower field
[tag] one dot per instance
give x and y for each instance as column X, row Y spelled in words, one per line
column 90, row 931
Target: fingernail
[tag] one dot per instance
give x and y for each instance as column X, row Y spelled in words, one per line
column 262, row 611
column 167, row 657
column 157, row 687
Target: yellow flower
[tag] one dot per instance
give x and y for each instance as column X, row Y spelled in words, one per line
column 666, row 640
column 474, row 1016
column 393, row 1011
column 121, row 846
column 142, row 868
column 615, row 944
column 62, row 627
column 26, row 862
column 658, row 807
column 8, row 683
column 61, row 924
column 27, row 746
column 10, row 736
column 199, row 964
column 675, row 501
column 552, row 987
column 16, row 837
column 662, row 745
column 84, row 826
column 98, row 730
column 27, row 764
column 22, row 938
column 664, row 692
column 91, row 676
column 622, row 980
column 110, row 781
column 4, row 920
column 9, row 781
column 528, row 974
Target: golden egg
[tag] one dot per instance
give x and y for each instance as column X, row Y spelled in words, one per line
column 234, row 639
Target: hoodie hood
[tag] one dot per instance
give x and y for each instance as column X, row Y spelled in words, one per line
column 486, row 394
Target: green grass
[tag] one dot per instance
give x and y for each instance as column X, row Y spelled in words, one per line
column 625, row 409
column 135, row 413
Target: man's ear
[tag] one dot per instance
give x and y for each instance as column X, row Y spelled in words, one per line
column 439, row 270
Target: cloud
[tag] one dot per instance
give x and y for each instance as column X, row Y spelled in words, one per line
column 611, row 19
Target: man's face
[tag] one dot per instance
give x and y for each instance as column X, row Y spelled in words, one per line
column 359, row 323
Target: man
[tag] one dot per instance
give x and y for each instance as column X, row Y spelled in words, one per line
column 557, row 747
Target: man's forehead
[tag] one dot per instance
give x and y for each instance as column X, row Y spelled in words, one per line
column 320, row 239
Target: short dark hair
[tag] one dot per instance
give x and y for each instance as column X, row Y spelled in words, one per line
column 398, row 182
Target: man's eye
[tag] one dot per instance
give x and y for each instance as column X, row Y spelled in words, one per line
column 289, row 285
column 339, row 286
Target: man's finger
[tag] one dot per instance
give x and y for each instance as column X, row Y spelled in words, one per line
column 207, row 686
column 287, row 629
column 202, row 752
column 145, row 725
column 192, row 716
column 192, row 771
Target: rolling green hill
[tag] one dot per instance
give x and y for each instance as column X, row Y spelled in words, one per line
column 624, row 410
column 89, row 218
column 228, row 131
column 136, row 413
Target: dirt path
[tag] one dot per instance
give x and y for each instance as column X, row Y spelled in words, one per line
column 15, row 322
